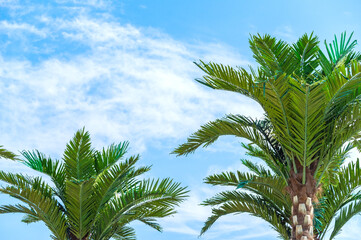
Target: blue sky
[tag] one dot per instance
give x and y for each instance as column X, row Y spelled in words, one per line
column 123, row 69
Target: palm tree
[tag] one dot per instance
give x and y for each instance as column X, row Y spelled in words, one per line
column 261, row 192
column 312, row 103
column 94, row 194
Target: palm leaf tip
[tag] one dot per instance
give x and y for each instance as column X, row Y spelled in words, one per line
column 78, row 156
column 184, row 150
column 7, row 154
column 208, row 224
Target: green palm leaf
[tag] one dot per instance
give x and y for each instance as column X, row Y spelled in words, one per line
column 124, row 233
column 54, row 169
column 46, row 208
column 272, row 54
column 344, row 216
column 78, row 157
column 337, row 197
column 6, row 154
column 107, row 157
column 80, row 207
column 306, row 50
column 236, row 202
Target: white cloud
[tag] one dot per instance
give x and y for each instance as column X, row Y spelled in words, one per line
column 18, row 28
column 190, row 215
column 133, row 84
column 4, row 3
column 90, row 3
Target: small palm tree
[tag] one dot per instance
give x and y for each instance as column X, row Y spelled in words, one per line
column 94, row 195
column 312, row 103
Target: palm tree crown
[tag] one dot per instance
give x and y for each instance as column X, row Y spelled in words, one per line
column 94, row 194
column 313, row 106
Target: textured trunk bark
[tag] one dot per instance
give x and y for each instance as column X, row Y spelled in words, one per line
column 303, row 196
column 73, row 237
column 302, row 218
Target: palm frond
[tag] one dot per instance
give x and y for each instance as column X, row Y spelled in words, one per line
column 346, row 213
column 78, row 156
column 152, row 198
column 336, row 197
column 30, row 219
column 329, row 170
column 20, row 181
column 125, row 233
column 343, row 94
column 80, row 207
column 54, row 169
column 340, row 52
column 273, row 55
column 7, row 154
column 306, row 52
column 247, row 203
column 238, row 126
column 258, row 169
column 109, row 156
column 45, row 208
column 228, row 78
column 276, row 161
column 307, row 123
column 270, row 187
column 119, row 177
column 151, row 222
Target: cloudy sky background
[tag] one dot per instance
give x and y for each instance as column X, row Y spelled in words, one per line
column 124, row 70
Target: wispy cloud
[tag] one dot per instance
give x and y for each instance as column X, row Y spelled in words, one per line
column 286, row 33
column 91, row 3
column 11, row 28
column 131, row 83
column 4, row 3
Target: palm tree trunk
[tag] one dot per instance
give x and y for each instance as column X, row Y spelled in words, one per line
column 303, row 196
column 302, row 218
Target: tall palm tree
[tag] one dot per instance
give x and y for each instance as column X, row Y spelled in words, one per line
column 311, row 101
column 262, row 193
column 94, row 194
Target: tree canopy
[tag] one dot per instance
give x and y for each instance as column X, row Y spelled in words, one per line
column 93, row 194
